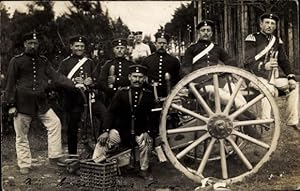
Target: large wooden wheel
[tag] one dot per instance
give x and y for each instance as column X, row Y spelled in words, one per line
column 219, row 128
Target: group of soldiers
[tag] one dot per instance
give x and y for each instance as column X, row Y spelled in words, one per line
column 130, row 85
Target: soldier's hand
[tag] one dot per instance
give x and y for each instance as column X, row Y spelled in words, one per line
column 103, row 138
column 271, row 64
column 88, row 81
column 111, row 80
column 292, row 84
column 12, row 111
column 79, row 80
column 147, row 138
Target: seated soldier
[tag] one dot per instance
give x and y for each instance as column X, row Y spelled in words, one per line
column 127, row 120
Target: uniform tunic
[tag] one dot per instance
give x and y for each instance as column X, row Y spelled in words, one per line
column 158, row 65
column 121, row 73
column 27, row 80
column 121, row 110
column 74, row 100
column 213, row 57
column 255, row 43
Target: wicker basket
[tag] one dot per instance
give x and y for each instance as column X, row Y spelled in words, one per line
column 98, row 176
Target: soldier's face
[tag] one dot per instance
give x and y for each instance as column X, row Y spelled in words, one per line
column 138, row 38
column 119, row 51
column 205, row 33
column 31, row 46
column 268, row 26
column 161, row 43
column 78, row 48
column 136, row 79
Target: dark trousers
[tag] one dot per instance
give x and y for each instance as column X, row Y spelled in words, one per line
column 73, row 126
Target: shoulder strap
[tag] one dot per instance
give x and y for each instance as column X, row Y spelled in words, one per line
column 76, row 67
column 266, row 49
column 203, row 52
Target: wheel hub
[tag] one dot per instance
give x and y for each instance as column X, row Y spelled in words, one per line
column 219, row 126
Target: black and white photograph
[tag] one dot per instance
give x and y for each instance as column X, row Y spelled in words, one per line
column 198, row 95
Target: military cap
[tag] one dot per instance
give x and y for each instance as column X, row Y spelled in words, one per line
column 138, row 33
column 78, row 38
column 269, row 16
column 119, row 42
column 31, row 36
column 137, row 68
column 205, row 23
column 162, row 35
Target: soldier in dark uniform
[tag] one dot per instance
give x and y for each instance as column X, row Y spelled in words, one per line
column 204, row 53
column 114, row 73
column 161, row 64
column 128, row 118
column 163, row 73
column 27, row 80
column 79, row 69
column 264, row 53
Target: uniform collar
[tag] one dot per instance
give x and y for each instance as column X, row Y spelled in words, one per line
column 204, row 41
column 31, row 55
column 76, row 56
column 267, row 36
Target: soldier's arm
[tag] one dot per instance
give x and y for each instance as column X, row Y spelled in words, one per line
column 283, row 61
column 111, row 113
column 57, row 79
column 10, row 88
column 187, row 62
column 102, row 83
column 250, row 52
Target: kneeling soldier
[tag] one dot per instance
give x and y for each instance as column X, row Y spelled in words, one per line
column 127, row 120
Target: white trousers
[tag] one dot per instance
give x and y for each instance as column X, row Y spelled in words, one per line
column 224, row 93
column 22, row 124
column 114, row 138
column 292, row 108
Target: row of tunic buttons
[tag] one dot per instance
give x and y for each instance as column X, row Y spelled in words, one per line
column 120, row 71
column 81, row 72
column 160, row 70
column 135, row 99
column 207, row 55
column 34, row 74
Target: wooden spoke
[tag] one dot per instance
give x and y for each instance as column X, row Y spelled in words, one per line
column 233, row 96
column 187, row 129
column 245, row 107
column 193, row 145
column 252, row 122
column 206, row 156
column 184, row 110
column 223, row 159
column 251, row 139
column 240, row 153
column 217, row 93
column 200, row 99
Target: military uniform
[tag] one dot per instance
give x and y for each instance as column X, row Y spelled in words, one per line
column 73, row 99
column 255, row 43
column 120, row 67
column 27, row 80
column 213, row 57
column 130, row 106
column 255, row 62
column 158, row 65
